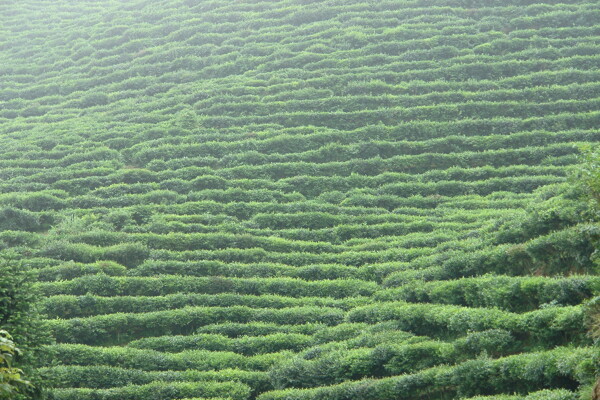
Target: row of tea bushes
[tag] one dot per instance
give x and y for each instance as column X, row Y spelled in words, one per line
column 521, row 373
column 121, row 327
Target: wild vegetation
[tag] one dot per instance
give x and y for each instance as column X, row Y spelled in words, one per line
column 300, row 200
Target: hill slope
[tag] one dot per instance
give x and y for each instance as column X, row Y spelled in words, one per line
column 303, row 200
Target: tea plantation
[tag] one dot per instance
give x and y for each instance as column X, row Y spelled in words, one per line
column 304, row 200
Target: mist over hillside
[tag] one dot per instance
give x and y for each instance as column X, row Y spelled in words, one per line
column 303, row 200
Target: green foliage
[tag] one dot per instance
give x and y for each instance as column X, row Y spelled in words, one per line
column 589, row 173
column 18, row 298
column 12, row 382
column 300, row 199
column 19, row 315
column 129, row 254
column 548, row 394
column 520, row 373
column 548, row 325
column 187, row 119
column 508, row 293
column 159, row 391
column 13, row 219
column 122, row 327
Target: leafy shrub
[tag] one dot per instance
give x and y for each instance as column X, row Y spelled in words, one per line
column 128, row 254
column 41, row 201
column 12, row 384
column 158, row 391
column 122, row 327
column 14, row 219
column 493, row 342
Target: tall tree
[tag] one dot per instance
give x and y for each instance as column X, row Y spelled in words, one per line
column 589, row 177
column 20, row 325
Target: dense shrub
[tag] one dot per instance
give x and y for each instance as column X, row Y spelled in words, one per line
column 509, row 293
column 549, row 325
column 520, row 373
column 22, row 332
column 121, row 327
column 169, row 284
column 129, row 254
column 159, row 391
column 149, row 360
column 13, row 219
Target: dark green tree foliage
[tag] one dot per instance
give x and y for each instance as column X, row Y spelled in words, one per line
column 12, row 383
column 21, row 321
column 13, row 219
column 589, row 172
column 589, row 176
column 187, row 119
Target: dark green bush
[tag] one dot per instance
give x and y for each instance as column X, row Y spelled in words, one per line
column 128, row 254
column 14, row 219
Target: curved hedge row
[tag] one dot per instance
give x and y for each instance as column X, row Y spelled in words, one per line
column 557, row 394
column 104, row 377
column 158, row 391
column 521, row 373
column 69, row 306
column 121, row 327
column 550, row 325
column 516, row 294
column 149, row 360
column 250, row 345
column 104, row 285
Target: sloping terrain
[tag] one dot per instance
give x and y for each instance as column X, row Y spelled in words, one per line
column 303, row 199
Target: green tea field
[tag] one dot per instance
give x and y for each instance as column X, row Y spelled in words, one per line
column 304, row 200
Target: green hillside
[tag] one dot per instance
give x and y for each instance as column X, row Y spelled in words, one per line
column 304, row 200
